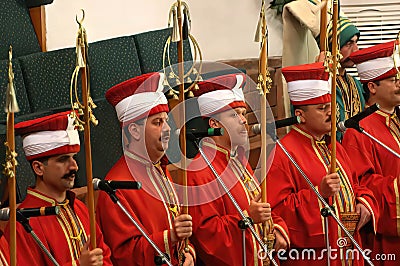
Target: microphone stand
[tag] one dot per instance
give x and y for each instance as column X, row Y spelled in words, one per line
column 158, row 260
column 25, row 223
column 327, row 210
column 246, row 222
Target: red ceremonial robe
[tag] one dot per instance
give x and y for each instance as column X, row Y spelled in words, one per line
column 292, row 198
column 4, row 252
column 379, row 170
column 149, row 206
column 63, row 235
column 216, row 235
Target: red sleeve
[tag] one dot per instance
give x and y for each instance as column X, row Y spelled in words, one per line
column 210, row 219
column 28, row 251
column 299, row 208
column 124, row 239
column 280, row 225
column 366, row 163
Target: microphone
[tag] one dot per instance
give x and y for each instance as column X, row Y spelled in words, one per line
column 29, row 212
column 106, row 185
column 353, row 122
column 193, row 133
column 256, row 129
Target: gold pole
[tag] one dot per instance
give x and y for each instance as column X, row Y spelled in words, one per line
column 85, row 108
column 182, row 174
column 264, row 86
column 322, row 28
column 333, row 89
column 9, row 170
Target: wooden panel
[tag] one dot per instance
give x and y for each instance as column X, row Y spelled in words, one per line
column 38, row 17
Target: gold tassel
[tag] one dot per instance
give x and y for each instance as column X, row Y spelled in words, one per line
column 190, row 94
column 11, row 99
column 175, row 37
column 79, row 57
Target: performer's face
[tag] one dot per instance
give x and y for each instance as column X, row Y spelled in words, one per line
column 316, row 119
column 350, row 47
column 157, row 133
column 387, row 92
column 234, row 123
column 57, row 173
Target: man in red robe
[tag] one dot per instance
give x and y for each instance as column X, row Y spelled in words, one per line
column 216, row 234
column 4, row 251
column 290, row 195
column 376, row 167
column 50, row 144
column 142, row 110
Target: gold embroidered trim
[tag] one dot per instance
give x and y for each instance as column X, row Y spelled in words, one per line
column 366, row 204
column 166, row 243
column 215, row 147
column 42, row 197
column 149, row 173
column 396, row 191
column 283, row 232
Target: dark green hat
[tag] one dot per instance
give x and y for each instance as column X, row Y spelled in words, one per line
column 346, row 31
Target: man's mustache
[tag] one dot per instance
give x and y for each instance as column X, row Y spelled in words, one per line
column 165, row 135
column 70, row 174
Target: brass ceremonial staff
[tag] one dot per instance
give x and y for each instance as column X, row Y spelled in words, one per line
column 182, row 174
column 334, row 70
column 264, row 84
column 180, row 32
column 85, row 109
column 9, row 169
column 322, row 28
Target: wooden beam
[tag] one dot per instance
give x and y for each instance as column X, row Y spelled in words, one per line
column 38, row 17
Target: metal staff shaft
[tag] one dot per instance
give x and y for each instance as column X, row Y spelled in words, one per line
column 9, row 169
column 322, row 28
column 88, row 157
column 182, row 114
column 182, row 174
column 264, row 84
column 12, row 194
column 333, row 88
column 86, row 107
column 322, row 200
column 236, row 205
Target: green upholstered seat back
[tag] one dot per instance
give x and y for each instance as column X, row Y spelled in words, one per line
column 16, row 29
column 150, row 47
column 111, row 62
column 47, row 78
